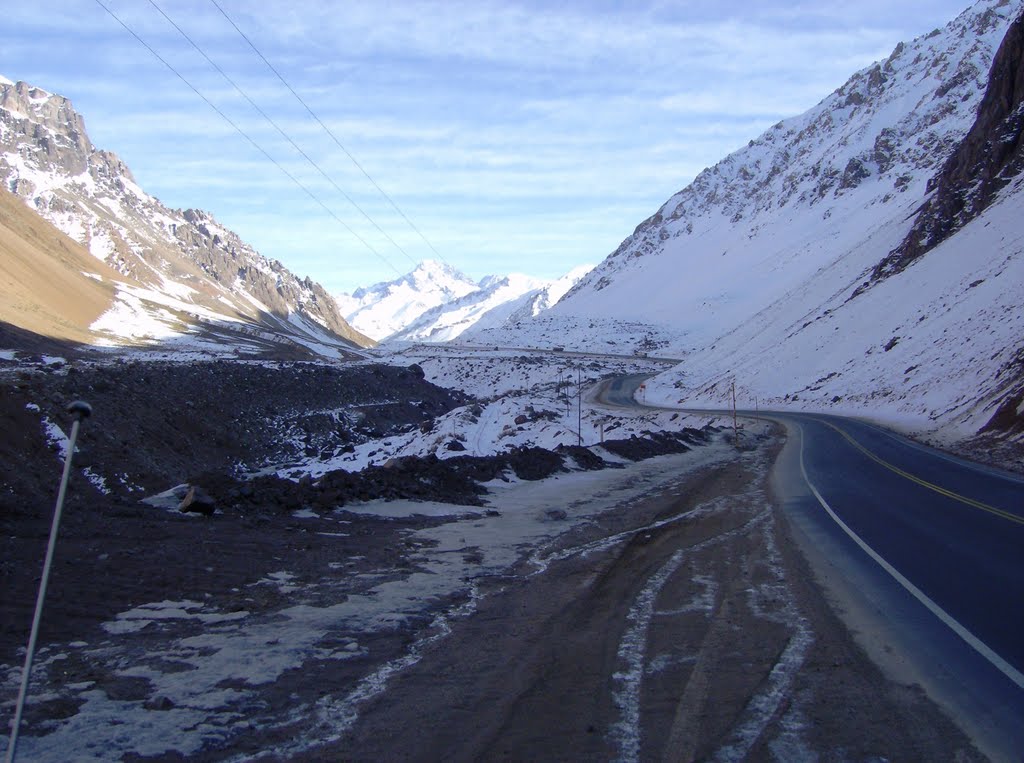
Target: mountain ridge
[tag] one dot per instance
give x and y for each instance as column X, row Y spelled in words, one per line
column 435, row 302
column 182, row 261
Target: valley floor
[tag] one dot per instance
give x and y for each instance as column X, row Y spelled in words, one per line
column 650, row 608
column 680, row 626
column 658, row 610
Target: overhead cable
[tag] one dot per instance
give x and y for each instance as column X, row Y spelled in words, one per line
column 328, row 131
column 282, row 133
column 245, row 135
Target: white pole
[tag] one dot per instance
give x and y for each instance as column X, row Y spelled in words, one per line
column 80, row 410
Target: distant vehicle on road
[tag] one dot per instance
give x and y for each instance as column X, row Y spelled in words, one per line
column 558, row 349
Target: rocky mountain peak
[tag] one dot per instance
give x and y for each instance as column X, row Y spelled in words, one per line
column 206, row 270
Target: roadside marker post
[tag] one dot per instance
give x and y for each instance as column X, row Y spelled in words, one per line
column 579, row 406
column 735, row 424
column 80, row 410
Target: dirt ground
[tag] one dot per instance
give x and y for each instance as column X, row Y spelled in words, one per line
column 694, row 633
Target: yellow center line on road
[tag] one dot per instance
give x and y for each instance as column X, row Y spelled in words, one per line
column 924, row 483
column 973, row 641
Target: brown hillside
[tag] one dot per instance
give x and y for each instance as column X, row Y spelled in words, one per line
column 42, row 286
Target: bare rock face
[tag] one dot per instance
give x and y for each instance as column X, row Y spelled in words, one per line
column 988, row 158
column 57, row 128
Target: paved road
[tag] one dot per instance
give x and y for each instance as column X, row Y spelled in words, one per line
column 557, row 353
column 923, row 551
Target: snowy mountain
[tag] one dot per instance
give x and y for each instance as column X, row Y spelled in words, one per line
column 823, row 265
column 179, row 273
column 387, row 307
column 449, row 320
column 529, row 305
column 436, row 303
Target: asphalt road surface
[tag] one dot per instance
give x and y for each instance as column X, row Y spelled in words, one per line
column 921, row 551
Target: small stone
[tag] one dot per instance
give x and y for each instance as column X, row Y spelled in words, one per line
column 159, row 703
column 197, row 500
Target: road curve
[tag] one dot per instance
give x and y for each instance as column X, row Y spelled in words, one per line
column 923, row 552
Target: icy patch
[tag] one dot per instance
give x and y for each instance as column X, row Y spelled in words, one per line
column 403, row 509
column 625, row 733
column 791, row 743
column 136, row 619
column 55, row 437
column 632, row 649
column 98, row 481
column 169, row 499
column 282, row 580
column 765, row 704
column 760, row 710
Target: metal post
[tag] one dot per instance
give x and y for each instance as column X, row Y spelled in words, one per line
column 579, row 406
column 735, row 425
column 79, row 410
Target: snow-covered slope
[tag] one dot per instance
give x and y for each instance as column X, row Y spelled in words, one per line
column 436, row 303
column 449, row 320
column 759, row 268
column 845, row 175
column 525, row 307
column 384, row 308
column 182, row 272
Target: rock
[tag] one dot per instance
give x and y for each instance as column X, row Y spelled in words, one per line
column 455, row 445
column 197, row 500
column 159, row 703
column 556, row 514
column 989, row 157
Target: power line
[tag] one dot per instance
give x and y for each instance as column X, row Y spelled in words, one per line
column 245, row 135
column 328, row 131
column 284, row 135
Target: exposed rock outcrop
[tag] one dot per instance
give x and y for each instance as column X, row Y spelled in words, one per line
column 988, row 158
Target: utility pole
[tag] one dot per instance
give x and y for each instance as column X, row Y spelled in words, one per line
column 579, row 406
column 80, row 411
column 735, row 425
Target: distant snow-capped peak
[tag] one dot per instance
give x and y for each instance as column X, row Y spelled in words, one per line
column 435, row 302
column 386, row 307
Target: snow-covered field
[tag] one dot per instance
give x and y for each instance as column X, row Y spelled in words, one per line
column 537, row 398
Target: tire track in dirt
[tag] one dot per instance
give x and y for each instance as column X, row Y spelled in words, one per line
column 682, row 626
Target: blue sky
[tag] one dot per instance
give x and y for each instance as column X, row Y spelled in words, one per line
column 528, row 136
